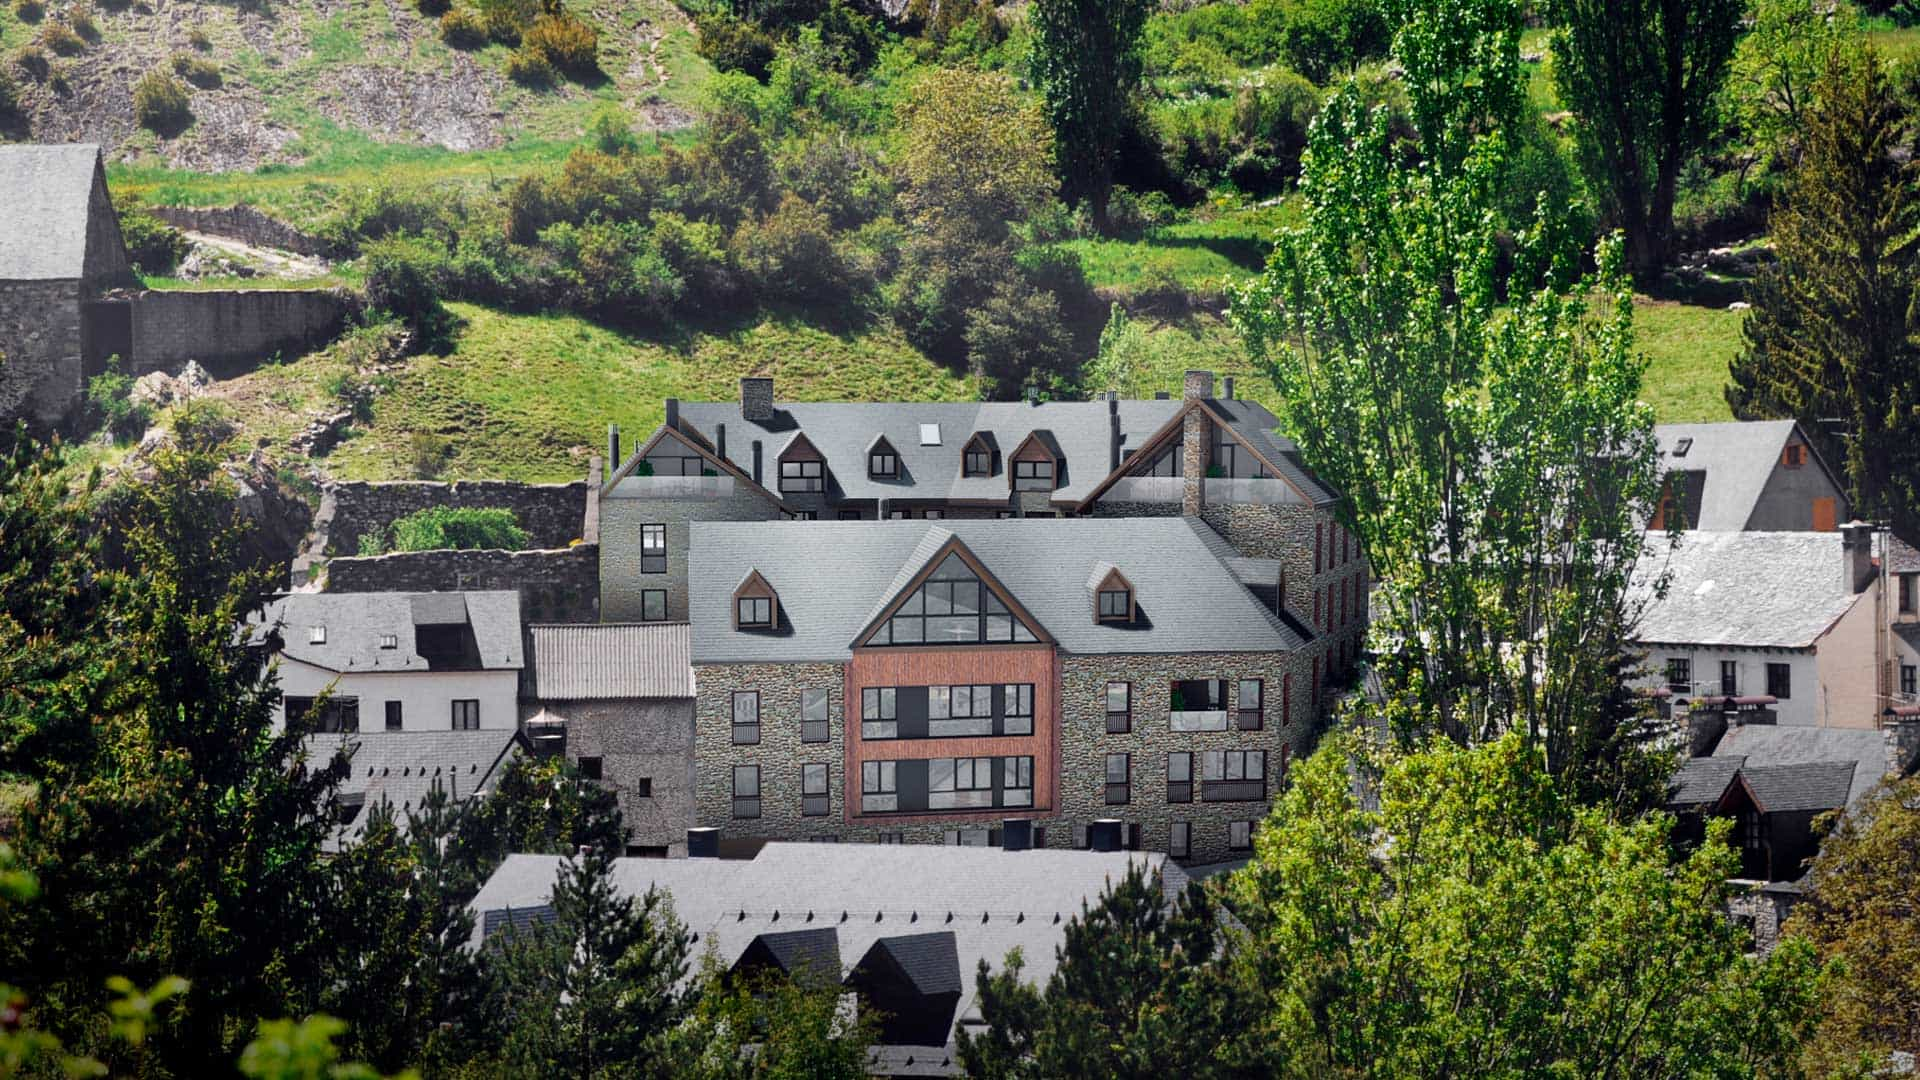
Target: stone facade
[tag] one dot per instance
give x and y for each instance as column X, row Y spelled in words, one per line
column 230, row 331
column 554, row 515
column 642, row 744
column 673, row 501
column 1326, row 580
column 779, row 753
column 561, row 585
column 1762, row 909
column 40, row 350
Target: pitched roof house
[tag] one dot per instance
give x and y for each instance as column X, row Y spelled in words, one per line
column 1760, row 475
column 398, row 770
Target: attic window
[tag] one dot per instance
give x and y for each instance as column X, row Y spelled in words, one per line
column 977, row 458
column 929, row 434
column 389, row 641
column 755, row 605
column 317, row 635
column 1794, row 456
column 882, row 462
column 1114, row 604
column 1680, row 448
column 1033, row 476
column 1113, row 595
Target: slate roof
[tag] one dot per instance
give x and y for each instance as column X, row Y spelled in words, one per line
column 1255, row 424
column 1737, row 457
column 1902, row 557
column 1770, row 745
column 1752, row 589
column 356, row 622
column 1812, row 785
column 999, row 900
column 46, row 191
column 400, row 768
column 593, row 662
column 931, row 962
column 814, row 951
column 834, row 577
column 1701, row 781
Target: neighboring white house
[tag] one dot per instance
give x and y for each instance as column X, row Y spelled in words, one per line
column 1784, row 621
column 398, row 661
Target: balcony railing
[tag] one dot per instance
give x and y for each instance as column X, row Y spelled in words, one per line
column 674, row 487
column 1197, row 719
column 1265, row 491
column 1233, row 790
column 1147, row 489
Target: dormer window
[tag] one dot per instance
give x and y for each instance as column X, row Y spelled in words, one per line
column 755, row 605
column 976, row 458
column 883, row 463
column 1037, row 463
column 316, row 635
column 803, row 469
column 1113, row 600
column 1115, row 604
column 1033, row 476
column 755, row 612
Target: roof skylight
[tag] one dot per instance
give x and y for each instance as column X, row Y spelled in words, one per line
column 929, row 434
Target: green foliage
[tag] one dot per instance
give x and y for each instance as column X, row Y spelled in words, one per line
column 9, row 97
column 198, row 39
column 1642, row 78
column 403, row 279
column 433, row 9
column 1833, row 331
column 60, row 39
column 1320, row 38
column 429, row 454
column 611, row 131
column 1016, row 336
column 32, row 60
column 769, row 1028
column 438, row 527
column 1086, row 63
column 506, row 20
column 734, row 44
column 1471, row 921
column 202, row 73
column 570, row 44
column 285, row 1050
column 160, row 103
column 1771, row 79
column 460, row 28
column 29, row 11
column 791, row 254
column 109, row 398
column 153, row 246
column 531, row 68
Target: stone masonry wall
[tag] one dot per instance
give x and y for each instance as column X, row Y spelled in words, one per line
column 554, row 515
column 650, row 739
column 622, row 515
column 561, row 585
column 1761, row 911
column 230, row 331
column 39, row 349
column 242, row 223
column 1287, row 532
column 780, row 753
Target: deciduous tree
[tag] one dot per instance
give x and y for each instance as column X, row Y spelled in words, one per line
column 1086, row 62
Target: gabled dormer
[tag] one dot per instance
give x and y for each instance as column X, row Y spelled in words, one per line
column 802, row 467
column 1037, row 464
column 1113, row 596
column 755, row 605
column 944, row 596
column 978, row 455
column 883, row 461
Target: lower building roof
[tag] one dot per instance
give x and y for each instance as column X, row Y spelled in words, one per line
column 604, row 661
column 1741, row 589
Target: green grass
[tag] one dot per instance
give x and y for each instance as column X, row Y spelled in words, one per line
column 1204, row 254
column 1688, row 349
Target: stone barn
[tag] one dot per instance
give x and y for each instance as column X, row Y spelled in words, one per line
column 60, row 253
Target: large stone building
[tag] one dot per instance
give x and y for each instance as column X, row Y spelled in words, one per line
column 1753, row 475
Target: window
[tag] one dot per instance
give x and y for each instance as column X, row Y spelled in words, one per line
column 1679, row 674
column 960, row 783
column 1753, row 830
column 890, row 838
column 929, row 434
column 653, row 549
column 653, row 605
column 1017, row 787
column 746, row 791
column 393, row 716
column 466, row 714
column 970, row 837
column 755, row 611
column 1180, row 777
column 884, row 464
column 815, row 716
column 1114, row 605
column 1180, row 840
column 1119, row 778
column 813, row 791
column 317, row 635
column 1252, row 704
column 1794, row 456
column 1286, row 699
column 1907, row 679
column 746, row 717
column 1119, row 708
column 879, row 716
column 1239, row 835
column 879, row 786
column 339, row 714
column 959, row 710
column 1681, row 446
column 389, row 641
column 849, row 515
column 1729, row 678
column 1233, row 775
column 802, row 476
column 590, row 768
column 979, row 462
column 1780, row 681
column 933, row 514
column 1018, row 700
column 1033, row 476
column 952, row 607
column 1906, row 593
column 1198, row 705
column 804, row 515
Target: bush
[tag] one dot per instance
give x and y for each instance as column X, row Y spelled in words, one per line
column 569, row 44
column 403, row 279
column 60, row 39
column 202, row 73
column 362, row 214
column 160, row 103
column 110, row 401
column 464, row 528
column 33, row 60
column 462, row 29
column 506, row 20
column 696, row 252
column 432, row 9
column 81, row 19
column 732, row 44
column 198, row 39
column 612, row 267
column 29, row 11
column 9, row 98
column 153, row 246
column 791, row 254
column 1322, row 37
column 1018, row 337
column 531, row 69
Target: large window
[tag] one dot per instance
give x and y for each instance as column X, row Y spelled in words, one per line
column 960, row 783
column 802, row 476
column 952, row 607
column 746, row 791
column 1180, row 777
column 394, row 722
column 1119, row 778
column 1233, row 775
column 1198, row 705
column 1679, row 674
column 653, row 605
column 1017, row 785
column 879, row 713
column 879, row 786
column 1033, row 476
column 959, row 710
column 653, row 549
column 1239, row 835
column 746, row 717
column 813, row 791
column 1906, row 593
column 466, row 714
column 1119, row 708
column 815, row 716
column 1729, row 677
column 1180, row 840
column 1907, row 679
column 1018, row 702
column 340, row 713
column 755, row 611
column 1252, row 704
column 1780, row 680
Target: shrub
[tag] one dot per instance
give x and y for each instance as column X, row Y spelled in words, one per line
column 506, row 20
column 791, row 254
column 430, row 454
column 462, row 29
column 202, row 73
column 81, row 19
column 696, row 251
column 9, row 98
column 198, row 39
column 432, row 9
column 612, row 267
column 732, row 44
column 403, row 279
column 370, row 213
column 153, row 246
column 530, row 68
column 611, row 130
column 109, row 398
column 569, row 44
column 32, row 60
column 465, row 528
column 160, row 103
column 1017, row 336
column 29, row 11
column 1322, row 37
column 60, row 39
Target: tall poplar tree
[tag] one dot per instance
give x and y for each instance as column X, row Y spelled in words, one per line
column 1086, row 61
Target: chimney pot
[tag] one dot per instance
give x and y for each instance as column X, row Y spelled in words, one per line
column 1198, row 384
column 1856, row 554
column 673, row 414
column 756, row 462
column 613, row 446
column 756, row 399
column 1226, row 390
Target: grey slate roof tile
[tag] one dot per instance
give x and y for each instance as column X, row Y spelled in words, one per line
column 1754, row 589
column 1767, row 745
column 1737, row 458
column 815, row 951
column 45, row 191
column 1701, row 781
column 1811, row 785
column 400, row 768
column 930, row 961
column 600, row 661
column 356, row 622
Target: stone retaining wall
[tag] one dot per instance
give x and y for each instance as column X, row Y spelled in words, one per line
column 40, row 368
column 242, row 223
column 230, row 331
column 554, row 515
column 555, row 586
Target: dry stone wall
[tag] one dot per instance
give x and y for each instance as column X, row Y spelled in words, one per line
column 554, row 515
column 242, row 223
column 560, row 585
column 228, row 332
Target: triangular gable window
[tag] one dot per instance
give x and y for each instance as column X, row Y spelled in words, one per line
column 952, row 606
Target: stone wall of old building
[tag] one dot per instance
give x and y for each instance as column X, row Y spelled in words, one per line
column 242, row 223
column 559, row 585
column 228, row 332
column 779, row 753
column 40, row 350
column 673, row 501
column 554, row 515
column 1762, row 909
column 642, row 744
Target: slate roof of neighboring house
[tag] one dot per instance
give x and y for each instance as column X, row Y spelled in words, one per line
column 931, row 962
column 400, row 768
column 1810, row 785
column 1902, row 557
column 1772, row 745
column 1738, row 457
column 814, row 951
column 833, row 578
column 864, row 893
column 356, row 623
column 600, row 661
column 1753, row 589
column 46, row 191
column 1701, row 781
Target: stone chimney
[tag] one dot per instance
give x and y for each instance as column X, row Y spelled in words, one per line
column 1196, row 444
column 1856, row 554
column 1198, row 384
column 756, row 399
column 673, row 414
column 1226, row 388
column 613, row 445
column 1903, row 744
